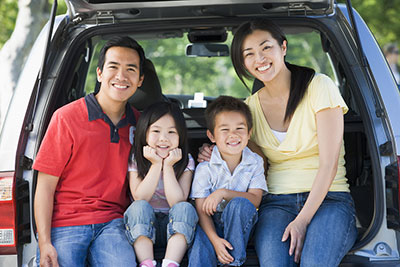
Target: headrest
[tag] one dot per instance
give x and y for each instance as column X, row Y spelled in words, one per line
column 150, row 91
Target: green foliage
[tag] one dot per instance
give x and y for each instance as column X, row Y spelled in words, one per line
column 8, row 15
column 9, row 12
column 382, row 17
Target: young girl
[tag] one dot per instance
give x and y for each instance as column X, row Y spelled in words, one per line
column 160, row 175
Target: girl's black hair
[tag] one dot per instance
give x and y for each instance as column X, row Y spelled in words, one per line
column 300, row 76
column 149, row 116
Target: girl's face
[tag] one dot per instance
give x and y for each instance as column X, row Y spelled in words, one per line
column 163, row 136
column 263, row 55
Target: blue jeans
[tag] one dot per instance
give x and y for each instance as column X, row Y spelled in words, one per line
column 141, row 220
column 330, row 234
column 234, row 224
column 102, row 244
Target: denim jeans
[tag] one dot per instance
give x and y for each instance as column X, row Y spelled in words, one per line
column 102, row 244
column 330, row 234
column 141, row 220
column 234, row 224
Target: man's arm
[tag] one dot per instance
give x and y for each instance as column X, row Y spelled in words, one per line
column 44, row 200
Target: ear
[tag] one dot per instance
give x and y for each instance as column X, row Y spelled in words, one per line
column 99, row 74
column 141, row 79
column 250, row 132
column 210, row 136
column 284, row 47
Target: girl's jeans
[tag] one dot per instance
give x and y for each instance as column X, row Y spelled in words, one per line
column 234, row 224
column 141, row 220
column 330, row 234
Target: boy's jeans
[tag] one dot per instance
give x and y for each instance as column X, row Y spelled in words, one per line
column 330, row 234
column 102, row 244
column 234, row 224
column 140, row 220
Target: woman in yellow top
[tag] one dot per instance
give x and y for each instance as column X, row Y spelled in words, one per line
column 308, row 216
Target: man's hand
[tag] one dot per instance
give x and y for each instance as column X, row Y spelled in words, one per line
column 211, row 202
column 151, row 155
column 173, row 157
column 48, row 256
column 297, row 231
column 205, row 152
column 223, row 255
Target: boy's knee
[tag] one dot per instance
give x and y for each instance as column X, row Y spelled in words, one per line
column 240, row 203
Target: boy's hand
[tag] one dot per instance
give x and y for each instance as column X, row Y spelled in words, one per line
column 223, row 255
column 173, row 157
column 151, row 155
column 211, row 202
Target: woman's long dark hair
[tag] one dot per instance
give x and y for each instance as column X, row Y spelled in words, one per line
column 300, row 76
column 149, row 116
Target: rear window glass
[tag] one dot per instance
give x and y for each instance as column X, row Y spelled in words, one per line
column 214, row 76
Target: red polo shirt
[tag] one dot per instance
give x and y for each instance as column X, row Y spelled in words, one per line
column 90, row 155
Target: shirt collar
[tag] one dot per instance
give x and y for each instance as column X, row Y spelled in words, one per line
column 248, row 157
column 95, row 112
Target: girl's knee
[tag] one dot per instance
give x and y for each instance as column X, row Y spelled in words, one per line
column 139, row 211
column 183, row 212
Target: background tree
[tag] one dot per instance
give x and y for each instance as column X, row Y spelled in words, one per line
column 21, row 22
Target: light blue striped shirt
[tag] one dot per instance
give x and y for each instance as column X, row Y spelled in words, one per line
column 214, row 174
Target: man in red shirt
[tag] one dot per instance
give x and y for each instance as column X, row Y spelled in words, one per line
column 81, row 192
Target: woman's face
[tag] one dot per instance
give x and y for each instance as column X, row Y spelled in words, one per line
column 263, row 56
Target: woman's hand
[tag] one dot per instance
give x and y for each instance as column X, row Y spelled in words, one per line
column 297, row 231
column 173, row 157
column 151, row 155
column 205, row 152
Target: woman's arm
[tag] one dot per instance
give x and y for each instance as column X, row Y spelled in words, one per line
column 330, row 127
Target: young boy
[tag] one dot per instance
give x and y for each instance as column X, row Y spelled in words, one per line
column 228, row 188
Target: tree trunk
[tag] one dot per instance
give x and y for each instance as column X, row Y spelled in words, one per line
column 32, row 15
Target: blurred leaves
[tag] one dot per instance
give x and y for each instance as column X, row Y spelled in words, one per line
column 9, row 12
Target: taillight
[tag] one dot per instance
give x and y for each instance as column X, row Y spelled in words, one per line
column 8, row 230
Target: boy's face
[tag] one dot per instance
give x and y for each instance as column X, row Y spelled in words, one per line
column 231, row 133
column 120, row 75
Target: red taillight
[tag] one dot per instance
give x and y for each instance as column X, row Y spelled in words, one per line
column 8, row 230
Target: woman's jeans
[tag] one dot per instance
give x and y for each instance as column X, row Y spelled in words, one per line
column 234, row 224
column 330, row 234
column 102, row 244
column 141, row 220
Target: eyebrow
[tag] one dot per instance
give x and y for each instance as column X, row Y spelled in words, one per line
column 116, row 63
column 263, row 42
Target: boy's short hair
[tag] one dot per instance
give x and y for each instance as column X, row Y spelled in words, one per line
column 227, row 103
column 122, row 41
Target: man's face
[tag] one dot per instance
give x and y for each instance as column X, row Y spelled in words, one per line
column 120, row 75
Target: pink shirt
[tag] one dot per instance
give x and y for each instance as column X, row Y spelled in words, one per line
column 159, row 201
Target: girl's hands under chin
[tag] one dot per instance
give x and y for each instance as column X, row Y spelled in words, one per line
column 173, row 157
column 151, row 155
